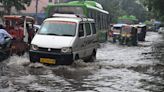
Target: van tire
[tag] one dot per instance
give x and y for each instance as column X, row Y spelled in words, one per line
column 76, row 57
column 92, row 58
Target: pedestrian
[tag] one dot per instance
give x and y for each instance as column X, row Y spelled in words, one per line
column 5, row 37
column 30, row 32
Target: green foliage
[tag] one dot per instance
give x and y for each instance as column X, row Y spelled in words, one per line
column 113, row 7
column 128, row 19
column 117, row 8
column 131, row 17
column 155, row 6
column 18, row 4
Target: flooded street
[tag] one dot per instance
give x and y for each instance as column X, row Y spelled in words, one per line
column 117, row 69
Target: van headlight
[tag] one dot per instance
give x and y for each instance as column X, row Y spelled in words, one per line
column 66, row 50
column 34, row 47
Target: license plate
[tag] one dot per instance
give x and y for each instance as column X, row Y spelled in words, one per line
column 47, row 61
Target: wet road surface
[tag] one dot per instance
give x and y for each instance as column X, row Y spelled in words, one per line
column 117, row 69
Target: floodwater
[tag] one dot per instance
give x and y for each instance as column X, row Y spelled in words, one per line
column 117, row 69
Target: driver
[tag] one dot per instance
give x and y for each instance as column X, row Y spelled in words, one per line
column 5, row 37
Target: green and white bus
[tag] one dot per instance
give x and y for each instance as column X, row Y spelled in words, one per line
column 90, row 9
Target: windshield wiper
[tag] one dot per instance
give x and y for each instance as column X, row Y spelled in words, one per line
column 52, row 34
column 67, row 35
column 55, row 34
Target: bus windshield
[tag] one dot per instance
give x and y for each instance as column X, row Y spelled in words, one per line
column 58, row 28
column 66, row 9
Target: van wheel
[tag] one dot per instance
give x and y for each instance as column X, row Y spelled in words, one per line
column 92, row 58
column 76, row 57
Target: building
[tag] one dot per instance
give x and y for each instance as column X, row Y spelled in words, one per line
column 40, row 5
column 32, row 7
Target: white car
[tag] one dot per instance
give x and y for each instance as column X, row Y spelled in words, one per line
column 161, row 30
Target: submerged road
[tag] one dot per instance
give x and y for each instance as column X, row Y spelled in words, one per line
column 117, row 69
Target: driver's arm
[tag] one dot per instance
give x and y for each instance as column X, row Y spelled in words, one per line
column 7, row 34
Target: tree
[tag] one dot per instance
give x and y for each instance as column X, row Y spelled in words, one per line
column 128, row 19
column 119, row 8
column 113, row 7
column 134, row 7
column 18, row 4
column 155, row 6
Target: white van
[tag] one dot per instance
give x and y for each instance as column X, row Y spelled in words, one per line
column 64, row 39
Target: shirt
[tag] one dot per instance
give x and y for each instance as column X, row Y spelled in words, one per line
column 3, row 34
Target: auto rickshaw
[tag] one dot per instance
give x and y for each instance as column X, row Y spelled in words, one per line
column 129, row 36
column 21, row 29
column 116, row 32
column 142, row 29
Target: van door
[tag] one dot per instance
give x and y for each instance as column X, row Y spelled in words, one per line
column 80, row 41
column 88, row 40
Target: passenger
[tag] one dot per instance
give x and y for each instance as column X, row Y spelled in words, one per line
column 20, row 33
column 5, row 37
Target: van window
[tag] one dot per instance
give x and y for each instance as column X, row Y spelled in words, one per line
column 59, row 28
column 81, row 30
column 88, row 29
column 93, row 28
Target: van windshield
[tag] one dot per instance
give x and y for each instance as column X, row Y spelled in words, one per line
column 59, row 28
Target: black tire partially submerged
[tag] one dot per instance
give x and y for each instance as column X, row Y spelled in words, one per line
column 91, row 58
column 3, row 55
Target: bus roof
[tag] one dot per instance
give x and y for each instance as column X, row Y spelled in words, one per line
column 91, row 3
column 88, row 4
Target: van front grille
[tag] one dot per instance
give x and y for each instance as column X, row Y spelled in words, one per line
column 49, row 50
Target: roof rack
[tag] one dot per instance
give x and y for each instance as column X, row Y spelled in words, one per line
column 58, row 15
column 68, row 15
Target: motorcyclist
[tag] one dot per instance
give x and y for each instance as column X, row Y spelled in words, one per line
column 5, row 37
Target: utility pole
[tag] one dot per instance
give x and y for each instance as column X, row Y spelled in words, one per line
column 36, row 7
